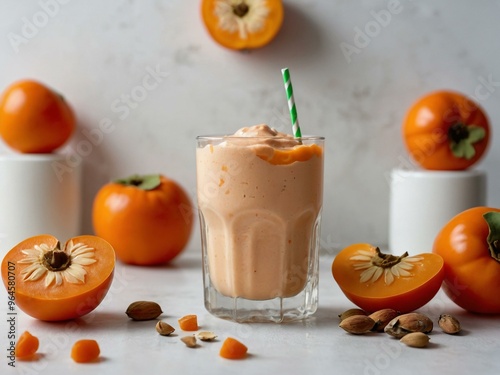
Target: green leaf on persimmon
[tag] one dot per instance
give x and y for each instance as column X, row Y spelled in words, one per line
column 493, row 220
column 465, row 147
column 144, row 182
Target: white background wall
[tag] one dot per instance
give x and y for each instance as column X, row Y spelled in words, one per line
column 95, row 52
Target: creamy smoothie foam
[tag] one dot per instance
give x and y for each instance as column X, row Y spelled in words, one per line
column 260, row 198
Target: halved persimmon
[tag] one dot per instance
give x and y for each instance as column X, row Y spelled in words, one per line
column 242, row 24
column 52, row 283
column 373, row 280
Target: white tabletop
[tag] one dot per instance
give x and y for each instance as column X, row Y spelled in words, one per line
column 313, row 346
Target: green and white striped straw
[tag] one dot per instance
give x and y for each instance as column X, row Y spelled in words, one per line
column 291, row 103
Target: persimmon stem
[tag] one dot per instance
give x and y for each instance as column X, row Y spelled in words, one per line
column 386, row 260
column 458, row 132
column 56, row 260
column 143, row 182
column 495, row 245
column 136, row 182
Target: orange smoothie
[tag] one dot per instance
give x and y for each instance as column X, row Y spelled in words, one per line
column 260, row 198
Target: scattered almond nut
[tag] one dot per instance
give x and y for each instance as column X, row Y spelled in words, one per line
column 190, row 341
column 449, row 324
column 415, row 339
column 164, row 328
column 407, row 323
column 357, row 324
column 206, row 336
column 143, row 310
column 351, row 312
column 382, row 318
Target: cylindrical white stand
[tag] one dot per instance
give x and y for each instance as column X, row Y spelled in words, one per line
column 39, row 194
column 422, row 202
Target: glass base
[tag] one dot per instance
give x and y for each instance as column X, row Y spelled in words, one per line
column 277, row 310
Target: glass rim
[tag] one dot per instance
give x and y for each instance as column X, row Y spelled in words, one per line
column 214, row 137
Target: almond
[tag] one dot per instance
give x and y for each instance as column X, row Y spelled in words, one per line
column 357, row 324
column 407, row 323
column 449, row 324
column 190, row 341
column 143, row 310
column 206, row 336
column 415, row 339
column 351, row 312
column 164, row 328
column 382, row 318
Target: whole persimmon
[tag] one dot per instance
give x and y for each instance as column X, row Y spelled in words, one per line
column 445, row 130
column 470, row 245
column 34, row 118
column 148, row 219
column 52, row 283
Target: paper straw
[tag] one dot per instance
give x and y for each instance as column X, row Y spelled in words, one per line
column 291, row 103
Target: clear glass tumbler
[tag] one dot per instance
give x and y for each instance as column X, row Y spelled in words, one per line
column 260, row 212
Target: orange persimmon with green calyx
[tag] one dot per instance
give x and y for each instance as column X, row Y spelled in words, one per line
column 445, row 130
column 188, row 323
column 147, row 219
column 34, row 118
column 242, row 24
column 233, row 349
column 470, row 247
column 85, row 351
column 373, row 280
column 27, row 345
column 54, row 283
